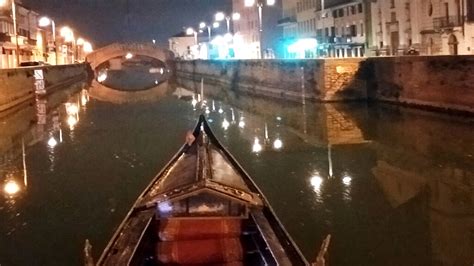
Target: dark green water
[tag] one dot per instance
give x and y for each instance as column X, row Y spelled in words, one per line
column 393, row 186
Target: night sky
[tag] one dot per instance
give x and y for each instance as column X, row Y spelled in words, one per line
column 106, row 21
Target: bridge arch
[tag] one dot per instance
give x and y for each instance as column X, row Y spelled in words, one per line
column 104, row 54
column 113, row 50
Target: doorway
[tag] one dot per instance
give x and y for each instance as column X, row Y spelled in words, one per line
column 453, row 45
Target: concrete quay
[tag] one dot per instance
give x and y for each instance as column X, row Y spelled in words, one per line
column 17, row 85
column 442, row 83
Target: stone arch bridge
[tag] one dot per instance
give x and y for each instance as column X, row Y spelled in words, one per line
column 108, row 52
column 104, row 54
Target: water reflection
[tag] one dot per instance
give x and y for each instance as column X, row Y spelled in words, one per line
column 375, row 174
column 34, row 124
column 397, row 182
column 132, row 73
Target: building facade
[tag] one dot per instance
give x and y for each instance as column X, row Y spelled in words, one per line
column 29, row 38
column 429, row 27
column 183, row 46
column 339, row 28
column 247, row 30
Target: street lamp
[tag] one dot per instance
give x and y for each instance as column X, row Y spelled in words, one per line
column 79, row 45
column 87, row 48
column 191, row 31
column 44, row 22
column 4, row 3
column 220, row 16
column 68, row 36
column 203, row 25
column 251, row 3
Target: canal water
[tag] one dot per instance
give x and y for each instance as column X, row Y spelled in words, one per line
column 393, row 186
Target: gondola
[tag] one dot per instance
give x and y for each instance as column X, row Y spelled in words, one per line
column 201, row 209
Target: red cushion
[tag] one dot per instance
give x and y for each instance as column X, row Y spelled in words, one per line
column 175, row 229
column 206, row 251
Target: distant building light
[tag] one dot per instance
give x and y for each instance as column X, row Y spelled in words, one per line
column 236, row 16
column 249, row 3
column 189, row 31
column 219, row 16
column 302, row 45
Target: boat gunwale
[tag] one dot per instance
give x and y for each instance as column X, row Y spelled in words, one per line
column 245, row 176
column 254, row 186
column 157, row 177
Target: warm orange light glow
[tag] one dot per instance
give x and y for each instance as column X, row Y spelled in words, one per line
column 11, row 188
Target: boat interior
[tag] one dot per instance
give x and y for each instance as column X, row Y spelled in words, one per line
column 201, row 211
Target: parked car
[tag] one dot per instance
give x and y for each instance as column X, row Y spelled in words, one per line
column 33, row 63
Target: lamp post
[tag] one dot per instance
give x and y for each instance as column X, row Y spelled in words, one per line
column 260, row 4
column 191, row 31
column 68, row 36
column 203, row 25
column 220, row 16
column 79, row 45
column 4, row 3
column 44, row 22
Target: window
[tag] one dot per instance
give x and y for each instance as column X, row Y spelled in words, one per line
column 333, row 31
column 361, row 29
column 340, row 12
column 353, row 10
column 334, row 13
column 326, row 32
column 359, row 6
column 470, row 11
column 393, row 17
column 392, row 3
column 353, row 30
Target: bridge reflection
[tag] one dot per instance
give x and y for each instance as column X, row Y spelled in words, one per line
column 130, row 72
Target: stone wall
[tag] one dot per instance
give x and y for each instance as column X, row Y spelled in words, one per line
column 438, row 82
column 434, row 82
column 324, row 80
column 17, row 85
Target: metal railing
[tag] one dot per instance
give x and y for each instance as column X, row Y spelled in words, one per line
column 447, row 22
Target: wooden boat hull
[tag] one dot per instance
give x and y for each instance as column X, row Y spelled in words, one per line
column 253, row 236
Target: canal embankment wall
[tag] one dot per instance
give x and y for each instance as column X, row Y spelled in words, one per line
column 324, row 80
column 17, row 85
column 443, row 83
column 433, row 82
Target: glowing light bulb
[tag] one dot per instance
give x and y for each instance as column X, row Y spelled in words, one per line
column 102, row 76
column 346, row 180
column 316, row 182
column 129, row 55
column 52, row 142
column 11, row 188
column 257, row 147
column 220, row 110
column 72, row 109
column 71, row 121
column 277, row 144
column 241, row 123
column 225, row 124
